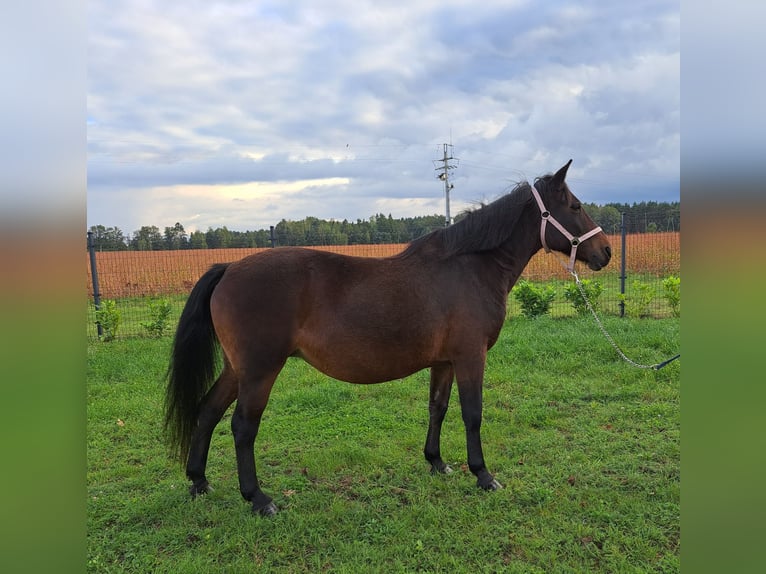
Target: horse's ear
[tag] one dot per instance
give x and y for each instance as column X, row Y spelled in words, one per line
column 560, row 176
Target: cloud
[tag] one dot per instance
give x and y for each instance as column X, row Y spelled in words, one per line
column 357, row 98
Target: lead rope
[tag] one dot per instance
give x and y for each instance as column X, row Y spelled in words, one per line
column 575, row 242
column 608, row 337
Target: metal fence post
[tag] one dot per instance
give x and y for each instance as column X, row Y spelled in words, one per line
column 271, row 236
column 624, row 236
column 94, row 279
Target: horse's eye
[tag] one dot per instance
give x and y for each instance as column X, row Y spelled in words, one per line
column 576, row 206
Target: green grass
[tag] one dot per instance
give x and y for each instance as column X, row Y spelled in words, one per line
column 587, row 447
column 134, row 311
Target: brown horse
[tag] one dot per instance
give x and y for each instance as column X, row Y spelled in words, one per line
column 439, row 304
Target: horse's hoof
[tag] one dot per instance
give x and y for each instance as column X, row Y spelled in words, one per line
column 492, row 485
column 269, row 510
column 443, row 469
column 200, row 488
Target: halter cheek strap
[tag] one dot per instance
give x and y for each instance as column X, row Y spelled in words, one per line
column 574, row 241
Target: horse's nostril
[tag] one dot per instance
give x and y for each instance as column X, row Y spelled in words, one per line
column 608, row 251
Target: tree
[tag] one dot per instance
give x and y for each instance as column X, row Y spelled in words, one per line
column 197, row 240
column 148, row 238
column 175, row 237
column 639, row 218
column 218, row 238
column 108, row 238
column 609, row 219
column 359, row 233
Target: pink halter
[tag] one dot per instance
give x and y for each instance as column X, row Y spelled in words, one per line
column 575, row 241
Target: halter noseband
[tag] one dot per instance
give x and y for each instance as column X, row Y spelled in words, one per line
column 574, row 241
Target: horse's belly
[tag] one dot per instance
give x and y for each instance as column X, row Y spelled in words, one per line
column 362, row 364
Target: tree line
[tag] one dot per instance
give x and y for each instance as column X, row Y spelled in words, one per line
column 643, row 217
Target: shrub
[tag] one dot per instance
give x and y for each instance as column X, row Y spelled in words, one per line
column 159, row 312
column 109, row 317
column 638, row 302
column 593, row 290
column 672, row 286
column 535, row 301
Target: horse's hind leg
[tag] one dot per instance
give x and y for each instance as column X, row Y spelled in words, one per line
column 253, row 396
column 212, row 408
column 441, row 386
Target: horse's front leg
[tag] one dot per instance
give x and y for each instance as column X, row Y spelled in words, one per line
column 470, row 383
column 441, row 387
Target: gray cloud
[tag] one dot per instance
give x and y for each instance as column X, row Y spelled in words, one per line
column 359, row 95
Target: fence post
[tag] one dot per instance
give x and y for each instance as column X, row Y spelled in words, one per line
column 271, row 236
column 94, row 279
column 623, row 235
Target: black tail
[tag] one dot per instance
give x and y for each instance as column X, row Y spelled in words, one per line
column 193, row 362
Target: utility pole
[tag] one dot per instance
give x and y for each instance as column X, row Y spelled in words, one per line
column 444, row 176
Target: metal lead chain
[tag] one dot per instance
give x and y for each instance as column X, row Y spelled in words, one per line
column 608, row 337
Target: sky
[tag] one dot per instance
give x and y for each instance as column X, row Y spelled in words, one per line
column 241, row 114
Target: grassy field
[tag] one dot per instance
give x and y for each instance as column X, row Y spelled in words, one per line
column 588, row 449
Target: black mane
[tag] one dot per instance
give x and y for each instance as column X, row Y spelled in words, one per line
column 483, row 229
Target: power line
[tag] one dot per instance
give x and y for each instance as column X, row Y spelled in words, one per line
column 444, row 176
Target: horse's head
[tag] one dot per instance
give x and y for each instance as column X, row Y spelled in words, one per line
column 568, row 228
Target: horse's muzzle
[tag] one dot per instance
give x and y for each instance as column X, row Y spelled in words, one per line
column 600, row 260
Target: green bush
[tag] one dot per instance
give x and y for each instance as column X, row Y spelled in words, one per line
column 672, row 286
column 639, row 300
column 109, row 317
column 535, row 301
column 159, row 311
column 593, row 290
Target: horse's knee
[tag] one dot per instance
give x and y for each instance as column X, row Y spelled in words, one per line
column 242, row 428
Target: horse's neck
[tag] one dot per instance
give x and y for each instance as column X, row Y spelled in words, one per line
column 514, row 255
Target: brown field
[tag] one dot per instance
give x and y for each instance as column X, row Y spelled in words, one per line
column 150, row 273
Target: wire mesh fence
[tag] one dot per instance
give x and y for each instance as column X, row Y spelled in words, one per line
column 137, row 284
